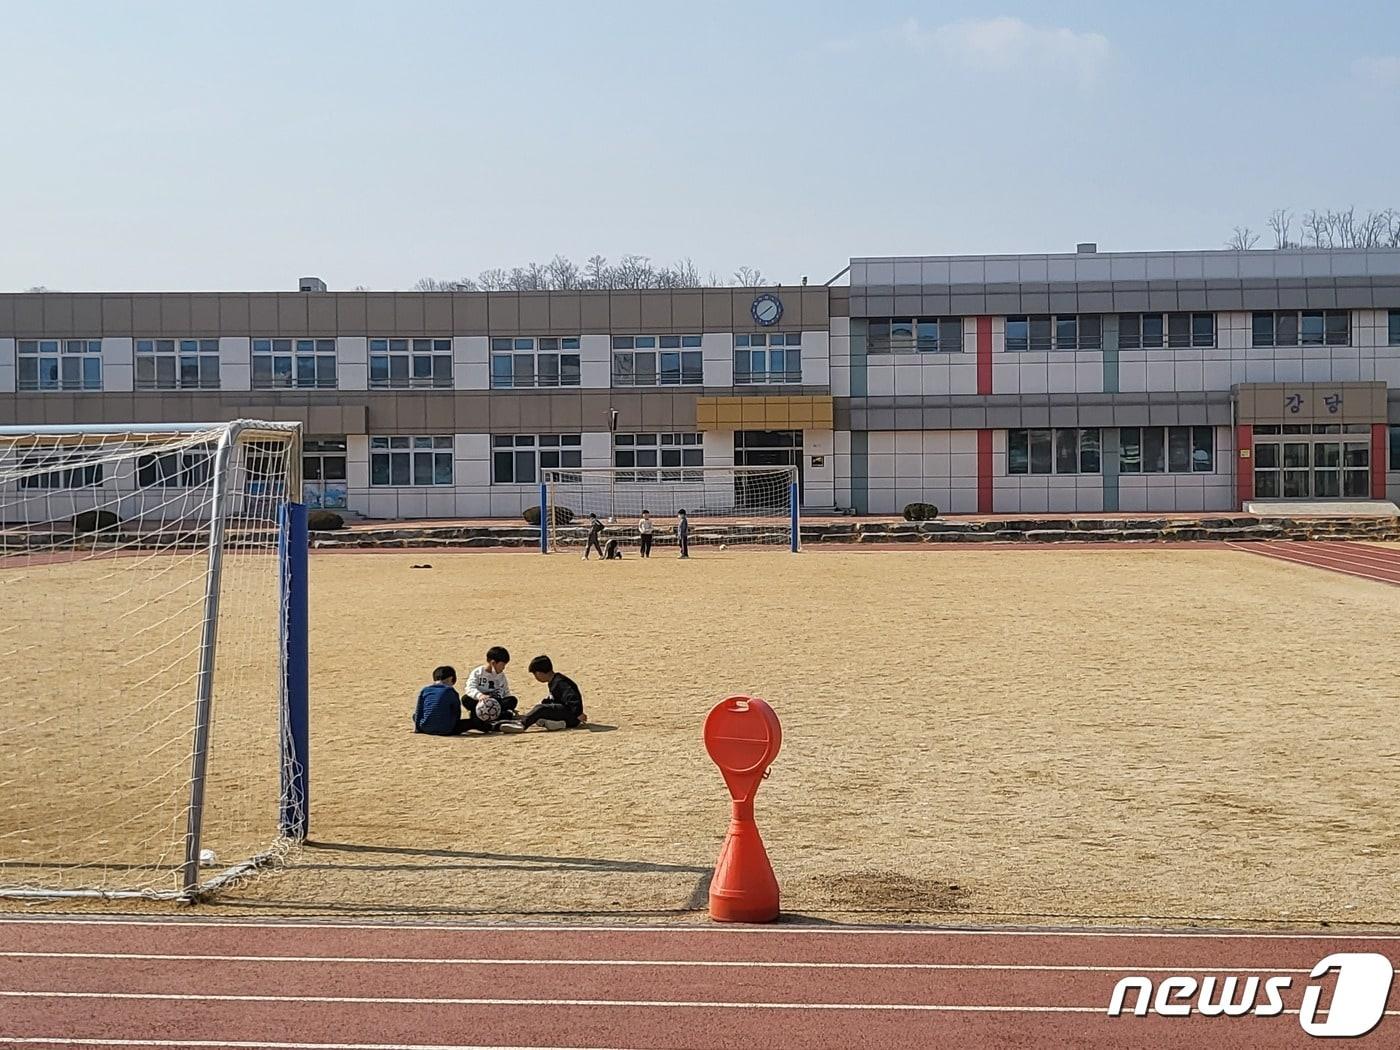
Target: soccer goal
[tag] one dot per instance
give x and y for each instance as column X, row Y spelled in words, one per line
column 726, row 506
column 153, row 676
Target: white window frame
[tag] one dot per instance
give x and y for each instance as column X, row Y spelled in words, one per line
column 175, row 470
column 630, row 350
column 1166, row 435
column 431, row 355
column 518, row 362
column 658, row 457
column 1086, row 443
column 537, row 453
column 1298, row 327
column 295, row 351
column 755, row 352
column 50, row 358
column 190, row 364
column 419, row 452
column 1055, row 341
column 59, row 475
column 1163, row 339
column 911, row 335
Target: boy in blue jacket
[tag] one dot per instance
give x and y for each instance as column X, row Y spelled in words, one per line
column 439, row 710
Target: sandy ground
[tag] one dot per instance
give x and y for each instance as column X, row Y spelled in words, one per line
column 1020, row 736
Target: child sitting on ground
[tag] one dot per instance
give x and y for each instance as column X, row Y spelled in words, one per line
column 488, row 682
column 562, row 709
column 439, row 710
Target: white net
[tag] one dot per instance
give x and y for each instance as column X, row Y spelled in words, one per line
column 729, row 506
column 108, row 544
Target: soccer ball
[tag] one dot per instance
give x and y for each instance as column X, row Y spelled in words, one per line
column 488, row 710
column 721, row 546
column 207, row 858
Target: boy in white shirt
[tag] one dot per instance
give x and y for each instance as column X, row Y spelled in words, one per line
column 488, row 682
column 644, row 533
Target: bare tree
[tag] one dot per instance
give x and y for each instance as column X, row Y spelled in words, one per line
column 563, row 274
column 1242, row 239
column 1281, row 223
column 40, row 289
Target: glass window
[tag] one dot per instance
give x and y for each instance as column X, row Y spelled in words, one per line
column 1203, row 450
column 174, row 469
column 1090, row 450
column 1394, row 445
column 1090, row 332
column 1263, row 329
column 1066, row 450
column 177, row 364
column 1178, row 330
column 1394, row 333
column 52, row 364
column 1286, row 329
column 1040, row 333
column 546, row 361
column 675, row 363
column 415, row 461
column 1040, row 451
column 1337, row 325
column 1203, row 329
column 1179, row 450
column 404, row 363
column 1018, row 455
column 299, row 363
column 1130, row 450
column 1129, row 331
column 1154, row 450
column 1311, row 328
column 1017, row 334
column 927, row 333
column 657, row 457
column 1066, row 333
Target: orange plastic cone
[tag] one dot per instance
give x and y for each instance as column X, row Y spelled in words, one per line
column 743, row 736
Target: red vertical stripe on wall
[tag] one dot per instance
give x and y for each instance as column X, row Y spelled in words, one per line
column 1378, row 453
column 1244, row 465
column 984, row 466
column 984, row 355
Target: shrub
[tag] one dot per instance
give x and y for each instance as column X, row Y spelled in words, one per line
column 324, row 521
column 557, row 515
column 920, row 512
column 94, row 521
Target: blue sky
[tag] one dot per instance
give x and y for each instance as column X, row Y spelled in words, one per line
column 191, row 146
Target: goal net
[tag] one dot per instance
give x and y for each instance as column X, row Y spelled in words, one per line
column 146, row 715
column 730, row 506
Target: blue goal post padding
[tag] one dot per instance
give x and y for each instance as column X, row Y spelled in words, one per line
column 293, row 557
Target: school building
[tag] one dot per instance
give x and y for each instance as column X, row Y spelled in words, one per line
column 1081, row 382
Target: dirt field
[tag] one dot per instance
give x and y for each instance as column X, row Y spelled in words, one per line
column 1016, row 735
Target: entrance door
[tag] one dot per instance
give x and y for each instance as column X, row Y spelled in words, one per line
column 1317, row 462
column 765, row 448
column 323, row 473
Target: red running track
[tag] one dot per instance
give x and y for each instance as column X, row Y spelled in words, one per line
column 1381, row 564
column 111, row 983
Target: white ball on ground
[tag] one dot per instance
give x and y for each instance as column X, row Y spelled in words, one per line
column 721, row 546
column 207, row 858
column 488, row 710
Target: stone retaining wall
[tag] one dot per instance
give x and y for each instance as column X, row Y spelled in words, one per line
column 1024, row 530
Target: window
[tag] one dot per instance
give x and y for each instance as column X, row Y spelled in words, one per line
column 174, row 470
column 177, row 364
column 904, row 335
column 1394, row 339
column 303, row 363
column 402, row 462
column 323, row 459
column 531, row 362
column 768, row 357
column 1063, row 450
column 402, row 363
column 521, row 459
column 657, row 360
column 1395, row 447
column 1302, row 328
column 658, row 457
column 56, row 474
column 1060, row 332
column 59, row 364
column 1152, row 331
column 1166, row 450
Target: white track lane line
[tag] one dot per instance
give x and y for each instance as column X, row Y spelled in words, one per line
column 634, row 1004
column 360, row 960
column 389, row 926
column 1316, row 563
column 263, row 1044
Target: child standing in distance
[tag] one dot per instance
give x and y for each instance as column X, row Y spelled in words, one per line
column 683, row 532
column 488, row 682
column 439, row 710
column 562, row 709
column 644, row 533
column 595, row 534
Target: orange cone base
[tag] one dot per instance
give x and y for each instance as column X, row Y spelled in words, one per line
column 744, row 888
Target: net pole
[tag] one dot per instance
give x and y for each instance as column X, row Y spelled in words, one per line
column 796, row 524
column 294, row 550
column 544, row 517
column 204, row 696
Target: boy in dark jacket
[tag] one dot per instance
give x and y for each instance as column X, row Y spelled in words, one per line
column 563, row 709
column 439, row 710
column 595, row 534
